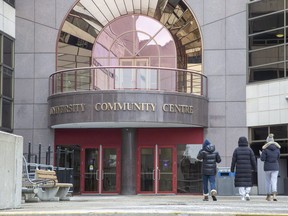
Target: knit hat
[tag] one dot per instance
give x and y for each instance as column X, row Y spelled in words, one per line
column 270, row 138
column 206, row 143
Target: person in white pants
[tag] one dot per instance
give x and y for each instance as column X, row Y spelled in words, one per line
column 245, row 163
column 270, row 155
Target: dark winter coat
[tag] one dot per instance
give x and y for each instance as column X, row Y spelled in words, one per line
column 270, row 155
column 244, row 161
column 210, row 157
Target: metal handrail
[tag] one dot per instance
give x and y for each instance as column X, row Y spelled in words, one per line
column 128, row 78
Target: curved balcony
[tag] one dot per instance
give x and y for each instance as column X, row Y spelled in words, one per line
column 128, row 78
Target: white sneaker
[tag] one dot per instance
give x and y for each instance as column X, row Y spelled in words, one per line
column 247, row 197
column 243, row 198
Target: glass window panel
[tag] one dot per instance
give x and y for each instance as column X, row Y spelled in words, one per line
column 266, row 72
column 189, row 178
column 166, row 43
column 279, row 131
column 266, row 39
column 266, row 23
column 169, row 62
column 83, row 80
column 105, row 9
column 7, row 83
column 259, row 133
column 145, row 6
column 128, row 42
column 167, row 80
column 257, row 147
column 284, row 146
column 7, row 113
column 266, row 56
column 94, row 10
column 149, row 50
column 69, row 81
column 7, row 52
column 121, row 7
column 147, row 25
column 264, row 7
column 120, row 50
column 141, row 40
column 152, row 7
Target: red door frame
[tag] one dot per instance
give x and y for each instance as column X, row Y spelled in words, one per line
column 156, row 163
column 100, row 162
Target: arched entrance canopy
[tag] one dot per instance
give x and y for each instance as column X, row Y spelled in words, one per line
column 88, row 18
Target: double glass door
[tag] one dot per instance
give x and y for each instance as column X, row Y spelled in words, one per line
column 101, row 170
column 157, row 169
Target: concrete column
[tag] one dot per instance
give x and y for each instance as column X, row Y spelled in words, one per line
column 128, row 161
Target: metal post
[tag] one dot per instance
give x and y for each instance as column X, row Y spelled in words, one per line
column 39, row 154
column 49, row 154
column 29, row 152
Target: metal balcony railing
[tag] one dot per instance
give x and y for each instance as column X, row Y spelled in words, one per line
column 128, row 78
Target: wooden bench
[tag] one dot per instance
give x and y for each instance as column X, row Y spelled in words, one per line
column 51, row 190
column 30, row 186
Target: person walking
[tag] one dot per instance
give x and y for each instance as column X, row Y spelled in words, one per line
column 270, row 155
column 244, row 161
column 209, row 158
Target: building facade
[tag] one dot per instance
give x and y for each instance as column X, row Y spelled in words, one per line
column 130, row 89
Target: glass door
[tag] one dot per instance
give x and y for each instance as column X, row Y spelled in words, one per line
column 91, row 174
column 101, row 170
column 157, row 170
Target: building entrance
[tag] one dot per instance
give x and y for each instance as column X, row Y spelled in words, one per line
column 101, row 169
column 157, row 169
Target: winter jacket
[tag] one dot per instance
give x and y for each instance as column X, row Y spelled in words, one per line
column 270, row 155
column 210, row 157
column 244, row 161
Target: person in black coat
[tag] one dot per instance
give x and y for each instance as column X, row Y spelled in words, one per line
column 209, row 168
column 244, row 161
column 270, row 155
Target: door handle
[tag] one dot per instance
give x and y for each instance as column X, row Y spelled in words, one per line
column 153, row 174
column 96, row 173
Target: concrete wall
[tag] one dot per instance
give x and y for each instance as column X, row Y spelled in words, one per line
column 223, row 27
column 267, row 103
column 37, row 25
column 11, row 151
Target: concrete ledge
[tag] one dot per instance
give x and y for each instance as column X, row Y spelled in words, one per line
column 11, row 151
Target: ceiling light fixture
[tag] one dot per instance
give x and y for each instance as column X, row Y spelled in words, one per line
column 279, row 35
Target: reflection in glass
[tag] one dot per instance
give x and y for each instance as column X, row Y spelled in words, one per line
column 109, row 170
column 7, row 113
column 147, row 169
column 266, row 56
column 165, row 169
column 91, row 175
column 266, row 39
column 268, row 22
column 273, row 71
column 258, row 8
column 189, row 178
column 8, row 52
column 99, row 33
column 89, row 17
